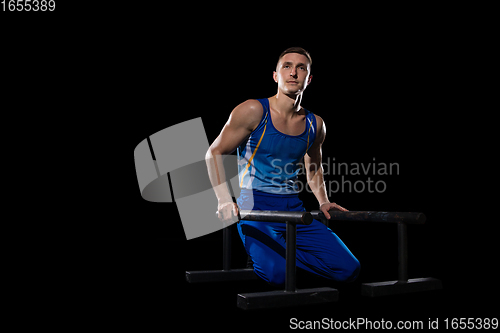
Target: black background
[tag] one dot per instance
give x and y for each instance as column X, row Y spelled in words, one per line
column 382, row 94
column 388, row 87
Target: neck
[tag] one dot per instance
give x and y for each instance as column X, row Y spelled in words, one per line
column 287, row 104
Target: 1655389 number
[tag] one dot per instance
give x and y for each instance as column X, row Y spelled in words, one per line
column 471, row 323
column 28, row 5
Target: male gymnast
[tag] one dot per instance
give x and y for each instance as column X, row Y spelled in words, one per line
column 272, row 136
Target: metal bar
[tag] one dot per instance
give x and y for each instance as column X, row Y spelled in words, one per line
column 291, row 247
column 376, row 289
column 235, row 274
column 402, row 252
column 277, row 216
column 226, row 248
column 282, row 298
column 369, row 216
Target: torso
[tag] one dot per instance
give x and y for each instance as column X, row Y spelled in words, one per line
column 275, row 145
column 294, row 126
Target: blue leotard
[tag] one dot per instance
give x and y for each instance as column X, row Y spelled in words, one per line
column 268, row 161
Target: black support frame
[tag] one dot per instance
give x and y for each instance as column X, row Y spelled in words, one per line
column 291, row 296
column 403, row 284
column 226, row 274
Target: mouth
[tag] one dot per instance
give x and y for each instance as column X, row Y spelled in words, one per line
column 292, row 82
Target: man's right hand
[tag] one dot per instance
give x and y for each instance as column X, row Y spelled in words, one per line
column 228, row 212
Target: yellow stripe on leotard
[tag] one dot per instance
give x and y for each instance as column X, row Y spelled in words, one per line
column 251, row 157
column 308, row 132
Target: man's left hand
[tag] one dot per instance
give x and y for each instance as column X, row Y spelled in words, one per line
column 331, row 206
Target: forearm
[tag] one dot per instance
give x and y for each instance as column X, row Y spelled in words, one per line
column 314, row 171
column 217, row 175
column 317, row 184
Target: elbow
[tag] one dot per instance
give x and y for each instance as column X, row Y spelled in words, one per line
column 211, row 153
column 208, row 154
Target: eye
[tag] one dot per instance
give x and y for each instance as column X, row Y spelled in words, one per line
column 302, row 68
column 286, row 66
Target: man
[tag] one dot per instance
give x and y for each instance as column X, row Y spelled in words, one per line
column 272, row 136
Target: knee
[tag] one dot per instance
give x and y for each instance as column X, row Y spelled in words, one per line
column 277, row 276
column 274, row 274
column 349, row 272
column 352, row 271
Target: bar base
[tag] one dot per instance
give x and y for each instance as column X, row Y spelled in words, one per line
column 220, row 275
column 281, row 298
column 395, row 287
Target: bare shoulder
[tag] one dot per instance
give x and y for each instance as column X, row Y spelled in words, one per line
column 320, row 124
column 321, row 128
column 319, row 121
column 248, row 114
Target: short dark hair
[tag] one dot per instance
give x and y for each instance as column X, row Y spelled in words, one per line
column 298, row 50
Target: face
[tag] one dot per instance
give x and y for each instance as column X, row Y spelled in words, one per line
column 292, row 73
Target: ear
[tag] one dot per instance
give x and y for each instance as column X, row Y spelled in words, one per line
column 309, row 79
column 275, row 76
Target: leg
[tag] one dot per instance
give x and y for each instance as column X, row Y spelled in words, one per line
column 319, row 250
column 266, row 248
column 322, row 252
column 264, row 242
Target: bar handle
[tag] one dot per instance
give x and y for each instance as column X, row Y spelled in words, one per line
column 275, row 216
column 370, row 216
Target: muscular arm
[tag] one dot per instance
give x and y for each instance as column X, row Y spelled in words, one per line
column 314, row 170
column 242, row 121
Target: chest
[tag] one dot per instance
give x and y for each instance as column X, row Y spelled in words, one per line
column 294, row 126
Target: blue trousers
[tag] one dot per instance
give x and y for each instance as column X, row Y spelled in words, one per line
column 319, row 250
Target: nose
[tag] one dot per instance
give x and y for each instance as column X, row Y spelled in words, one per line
column 293, row 72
